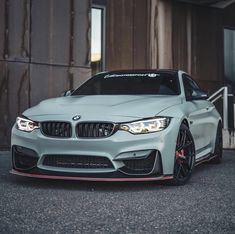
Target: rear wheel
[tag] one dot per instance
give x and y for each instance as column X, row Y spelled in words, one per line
column 184, row 156
column 217, row 156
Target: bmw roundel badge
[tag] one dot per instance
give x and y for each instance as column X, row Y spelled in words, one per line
column 76, row 117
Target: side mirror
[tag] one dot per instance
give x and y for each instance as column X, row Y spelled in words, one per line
column 198, row 95
column 67, row 93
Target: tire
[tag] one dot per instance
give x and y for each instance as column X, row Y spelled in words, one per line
column 184, row 156
column 218, row 152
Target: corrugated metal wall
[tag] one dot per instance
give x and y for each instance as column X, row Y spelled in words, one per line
column 44, row 50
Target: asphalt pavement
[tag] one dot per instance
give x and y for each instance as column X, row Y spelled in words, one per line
column 205, row 205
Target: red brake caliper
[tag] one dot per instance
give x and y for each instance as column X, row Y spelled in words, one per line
column 180, row 154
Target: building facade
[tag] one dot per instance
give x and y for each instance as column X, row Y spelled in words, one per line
column 49, row 46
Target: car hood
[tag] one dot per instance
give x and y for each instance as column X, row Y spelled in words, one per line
column 102, row 107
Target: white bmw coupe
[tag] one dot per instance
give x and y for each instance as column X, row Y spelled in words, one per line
column 120, row 125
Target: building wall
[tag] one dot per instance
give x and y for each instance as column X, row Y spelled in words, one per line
column 189, row 38
column 229, row 53
column 167, row 34
column 127, row 34
column 201, row 39
column 45, row 46
column 44, row 50
column 228, row 16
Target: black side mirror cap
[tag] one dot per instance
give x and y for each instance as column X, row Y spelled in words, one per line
column 198, row 95
column 67, row 93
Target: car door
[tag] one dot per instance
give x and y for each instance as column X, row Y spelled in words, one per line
column 199, row 116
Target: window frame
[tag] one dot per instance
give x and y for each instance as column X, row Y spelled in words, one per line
column 103, row 33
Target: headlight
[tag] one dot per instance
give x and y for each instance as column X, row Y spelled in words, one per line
column 146, row 126
column 25, row 124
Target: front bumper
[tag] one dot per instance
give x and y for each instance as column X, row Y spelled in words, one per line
column 122, row 149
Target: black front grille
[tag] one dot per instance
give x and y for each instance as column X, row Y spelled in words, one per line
column 95, row 129
column 56, row 129
column 77, row 161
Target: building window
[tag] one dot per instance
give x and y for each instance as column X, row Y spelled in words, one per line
column 229, row 57
column 97, row 38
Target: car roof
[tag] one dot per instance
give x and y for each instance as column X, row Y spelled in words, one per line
column 141, row 70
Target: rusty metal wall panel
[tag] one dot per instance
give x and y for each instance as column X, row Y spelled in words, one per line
column 50, row 81
column 140, row 34
column 164, row 34
column 2, row 28
column 18, row 37
column 4, row 104
column 228, row 16
column 47, row 81
column 196, row 40
column 59, row 45
column 197, row 43
column 21, row 88
column 160, row 29
column 61, row 32
column 81, row 33
column 127, row 34
column 152, row 39
column 80, row 75
column 207, row 45
column 14, row 96
column 119, row 30
column 180, row 36
column 14, row 30
column 50, row 31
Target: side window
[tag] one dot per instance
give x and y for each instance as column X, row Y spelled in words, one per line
column 190, row 86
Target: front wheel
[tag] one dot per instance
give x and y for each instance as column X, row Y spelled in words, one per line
column 184, row 156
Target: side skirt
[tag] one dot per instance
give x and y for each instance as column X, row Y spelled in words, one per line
column 204, row 159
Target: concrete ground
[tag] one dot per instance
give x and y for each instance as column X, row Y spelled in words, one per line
column 205, row 205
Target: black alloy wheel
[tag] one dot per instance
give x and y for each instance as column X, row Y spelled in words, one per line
column 184, row 156
column 217, row 156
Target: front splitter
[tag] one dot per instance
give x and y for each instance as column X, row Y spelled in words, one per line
column 59, row 177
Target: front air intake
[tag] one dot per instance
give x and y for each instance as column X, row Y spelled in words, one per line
column 24, row 158
column 77, row 161
column 140, row 165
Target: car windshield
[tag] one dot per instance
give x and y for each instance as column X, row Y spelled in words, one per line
column 120, row 83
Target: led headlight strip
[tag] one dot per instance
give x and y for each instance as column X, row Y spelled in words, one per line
column 155, row 124
column 26, row 125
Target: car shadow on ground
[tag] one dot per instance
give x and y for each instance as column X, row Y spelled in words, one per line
column 103, row 186
column 57, row 184
column 199, row 171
